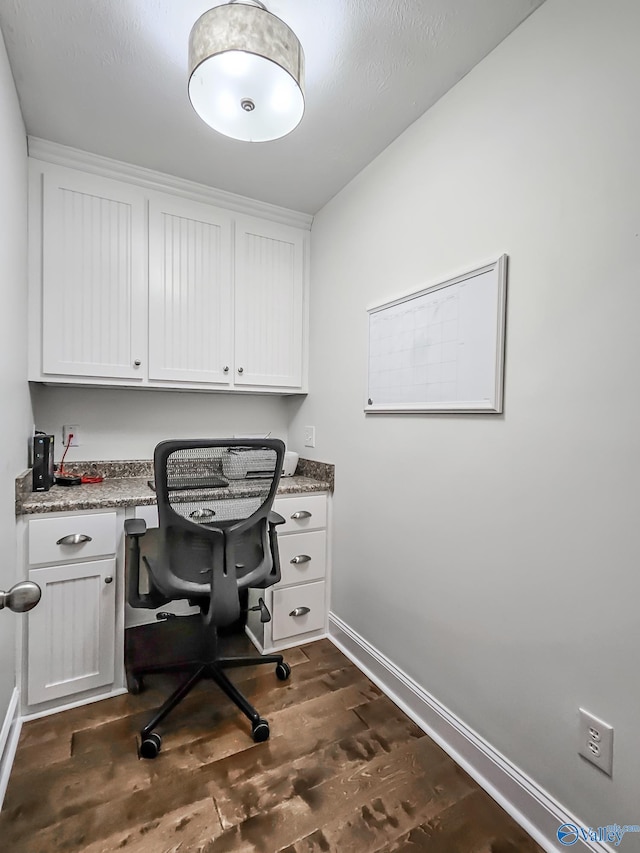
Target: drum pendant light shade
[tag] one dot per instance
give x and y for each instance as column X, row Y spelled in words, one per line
column 246, row 72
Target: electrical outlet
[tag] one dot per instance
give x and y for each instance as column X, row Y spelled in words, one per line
column 596, row 741
column 71, row 429
column 309, row 436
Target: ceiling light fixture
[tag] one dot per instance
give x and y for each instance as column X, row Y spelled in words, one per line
column 246, row 72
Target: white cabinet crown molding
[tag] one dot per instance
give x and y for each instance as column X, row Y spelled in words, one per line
column 63, row 155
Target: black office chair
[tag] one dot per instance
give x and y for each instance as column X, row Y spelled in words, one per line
column 217, row 536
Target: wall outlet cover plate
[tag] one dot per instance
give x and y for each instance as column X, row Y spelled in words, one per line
column 596, row 741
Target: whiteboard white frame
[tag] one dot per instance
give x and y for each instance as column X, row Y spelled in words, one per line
column 494, row 404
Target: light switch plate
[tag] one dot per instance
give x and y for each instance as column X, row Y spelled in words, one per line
column 309, row 436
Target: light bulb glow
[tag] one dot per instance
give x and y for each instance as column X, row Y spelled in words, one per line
column 282, row 97
column 226, row 104
column 234, row 63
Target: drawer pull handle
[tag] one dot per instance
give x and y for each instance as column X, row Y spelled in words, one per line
column 300, row 611
column 74, row 539
column 108, row 579
column 301, row 558
column 302, row 513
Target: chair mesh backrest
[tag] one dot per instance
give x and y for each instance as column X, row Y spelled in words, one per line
column 217, row 485
column 214, row 497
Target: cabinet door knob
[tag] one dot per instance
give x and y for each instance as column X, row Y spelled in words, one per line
column 225, row 369
column 74, row 539
column 300, row 611
column 137, row 362
column 302, row 513
column 108, row 579
column 241, row 370
column 301, row 558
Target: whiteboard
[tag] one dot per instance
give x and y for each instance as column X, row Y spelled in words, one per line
column 440, row 349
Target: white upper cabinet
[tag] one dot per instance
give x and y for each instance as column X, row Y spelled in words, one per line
column 190, row 286
column 93, row 266
column 140, row 281
column 269, row 303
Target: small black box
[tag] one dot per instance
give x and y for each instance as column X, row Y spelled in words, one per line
column 42, row 462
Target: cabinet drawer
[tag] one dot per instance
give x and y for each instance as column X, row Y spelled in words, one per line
column 302, row 557
column 96, row 535
column 312, row 510
column 309, row 596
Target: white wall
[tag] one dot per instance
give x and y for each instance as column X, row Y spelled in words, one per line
column 128, row 423
column 15, row 408
column 496, row 559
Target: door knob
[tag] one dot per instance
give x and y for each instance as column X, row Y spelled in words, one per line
column 21, row 597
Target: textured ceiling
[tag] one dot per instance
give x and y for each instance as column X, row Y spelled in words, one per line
column 110, row 77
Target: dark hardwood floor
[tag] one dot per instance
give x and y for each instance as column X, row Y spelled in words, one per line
column 344, row 770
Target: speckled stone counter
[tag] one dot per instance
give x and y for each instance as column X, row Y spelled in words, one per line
column 127, row 484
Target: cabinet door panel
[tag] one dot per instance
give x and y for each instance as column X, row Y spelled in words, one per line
column 71, row 632
column 189, row 292
column 94, row 249
column 269, row 303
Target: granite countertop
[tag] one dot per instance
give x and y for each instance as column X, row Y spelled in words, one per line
column 127, row 484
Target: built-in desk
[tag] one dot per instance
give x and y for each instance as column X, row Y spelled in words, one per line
column 71, row 646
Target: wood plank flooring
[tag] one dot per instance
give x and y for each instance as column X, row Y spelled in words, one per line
column 344, row 770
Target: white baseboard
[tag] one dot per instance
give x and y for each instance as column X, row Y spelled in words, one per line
column 528, row 804
column 9, row 736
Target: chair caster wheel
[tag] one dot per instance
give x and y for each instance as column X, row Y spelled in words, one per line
column 283, row 671
column 150, row 746
column 135, row 684
column 260, row 731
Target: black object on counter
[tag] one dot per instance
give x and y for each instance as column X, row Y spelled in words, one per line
column 68, row 480
column 42, row 462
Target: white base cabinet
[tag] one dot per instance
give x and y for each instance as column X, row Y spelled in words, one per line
column 72, row 630
column 299, row 603
column 71, row 645
column 70, row 636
